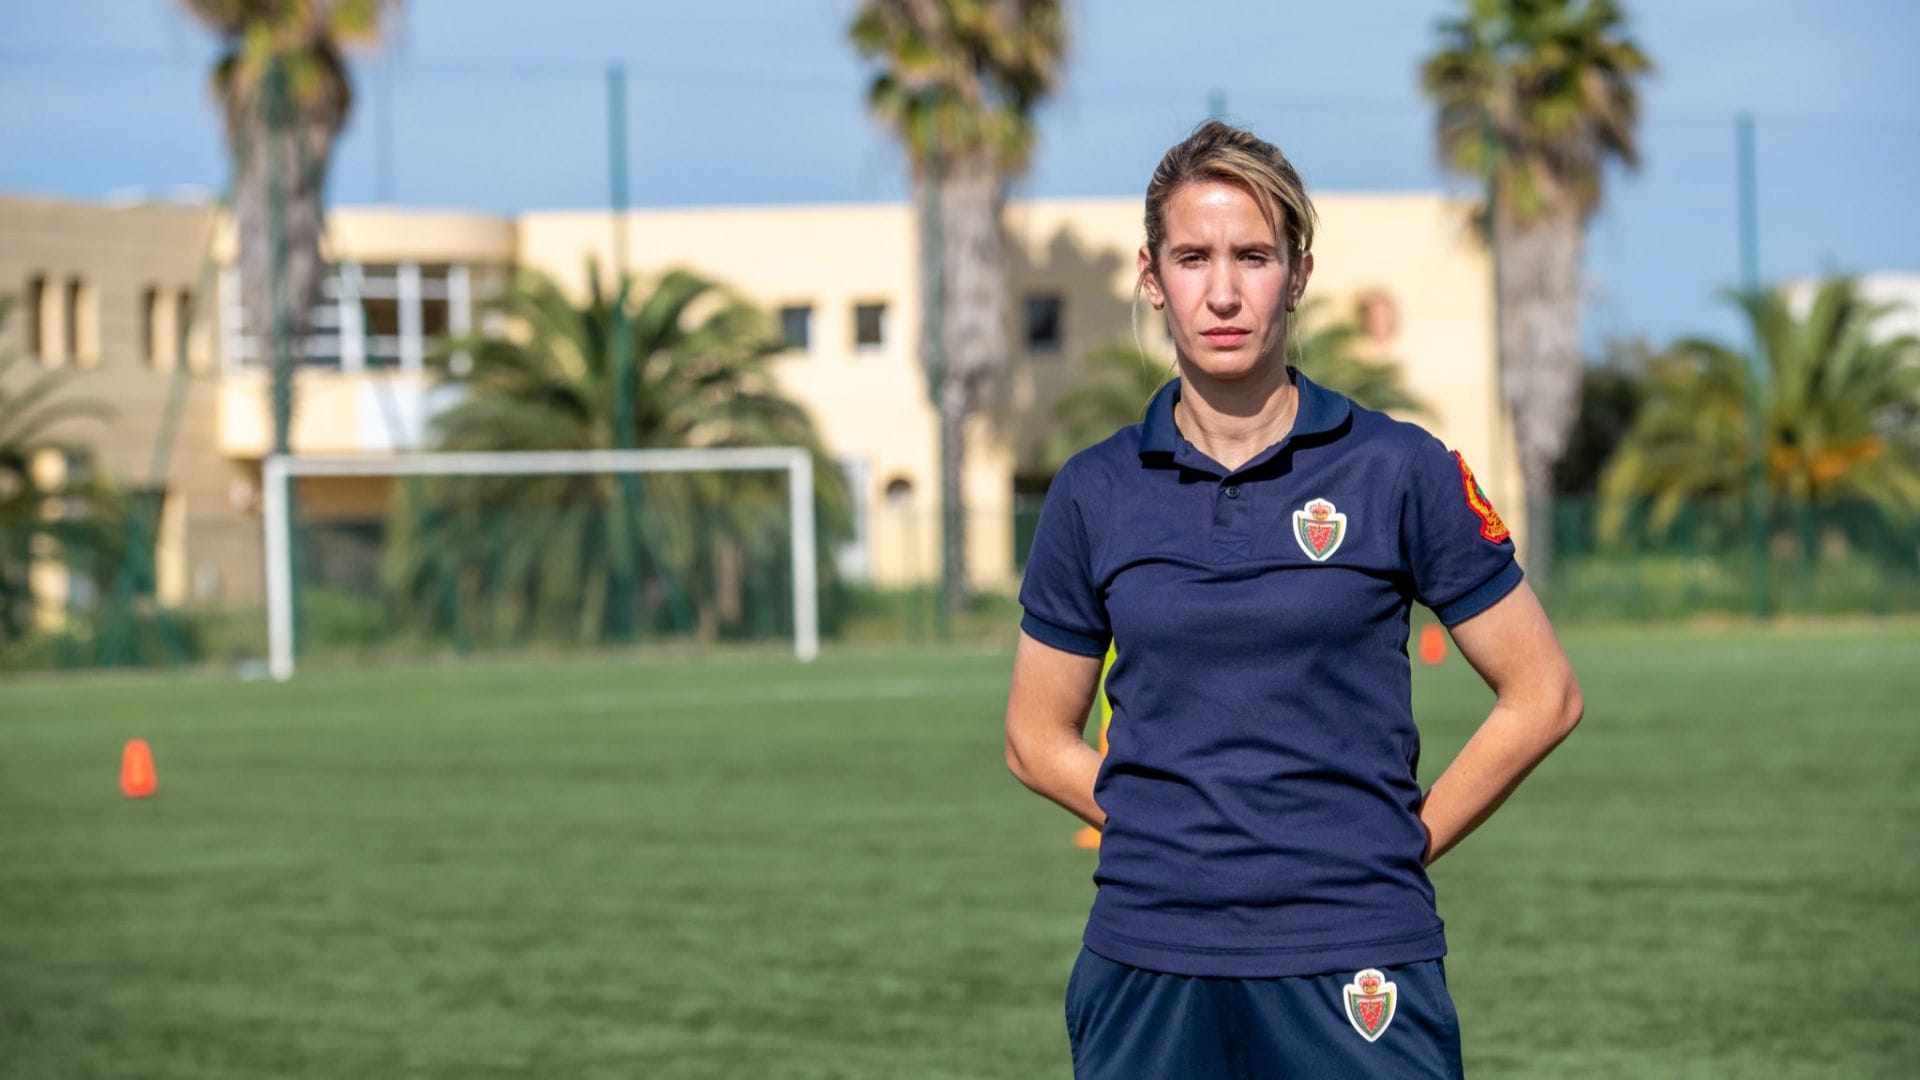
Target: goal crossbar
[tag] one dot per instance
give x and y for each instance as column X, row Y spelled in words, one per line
column 279, row 471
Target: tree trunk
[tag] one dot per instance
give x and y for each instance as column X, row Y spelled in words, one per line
column 930, row 199
column 973, row 324
column 285, row 157
column 954, row 593
column 1539, row 296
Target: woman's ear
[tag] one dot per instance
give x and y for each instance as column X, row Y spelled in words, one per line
column 1149, row 283
column 1297, row 287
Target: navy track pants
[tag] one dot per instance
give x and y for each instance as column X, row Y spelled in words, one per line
column 1127, row 1023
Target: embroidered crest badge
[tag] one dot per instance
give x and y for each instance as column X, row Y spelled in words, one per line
column 1370, row 1000
column 1319, row 528
column 1491, row 526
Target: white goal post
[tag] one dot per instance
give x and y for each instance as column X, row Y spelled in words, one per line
column 278, row 473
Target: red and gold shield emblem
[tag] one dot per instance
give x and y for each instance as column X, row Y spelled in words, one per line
column 1370, row 1001
column 1319, row 528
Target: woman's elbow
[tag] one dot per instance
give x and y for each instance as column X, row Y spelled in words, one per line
column 1022, row 757
column 1573, row 706
column 1015, row 764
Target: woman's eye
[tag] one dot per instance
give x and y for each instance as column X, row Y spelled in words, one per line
column 1191, row 259
column 1254, row 258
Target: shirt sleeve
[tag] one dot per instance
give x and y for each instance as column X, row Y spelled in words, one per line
column 1063, row 605
column 1457, row 550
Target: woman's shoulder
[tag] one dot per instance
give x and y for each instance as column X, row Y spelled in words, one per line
column 1394, row 438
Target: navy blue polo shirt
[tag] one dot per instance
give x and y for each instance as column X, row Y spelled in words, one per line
column 1260, row 778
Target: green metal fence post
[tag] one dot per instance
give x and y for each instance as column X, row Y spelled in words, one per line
column 624, row 563
column 1756, row 430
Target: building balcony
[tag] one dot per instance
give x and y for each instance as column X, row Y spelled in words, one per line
column 335, row 411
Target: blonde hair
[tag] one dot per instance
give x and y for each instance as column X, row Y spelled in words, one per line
column 1230, row 155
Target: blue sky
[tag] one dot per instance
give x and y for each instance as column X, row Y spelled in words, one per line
column 500, row 105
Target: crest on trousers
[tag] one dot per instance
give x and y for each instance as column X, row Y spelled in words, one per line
column 1319, row 528
column 1370, row 999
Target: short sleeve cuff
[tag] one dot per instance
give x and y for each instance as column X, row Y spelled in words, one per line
column 1481, row 597
column 1061, row 638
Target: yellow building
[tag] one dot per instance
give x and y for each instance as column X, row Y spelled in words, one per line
column 103, row 291
column 104, row 288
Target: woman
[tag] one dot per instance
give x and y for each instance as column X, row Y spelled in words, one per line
column 1252, row 550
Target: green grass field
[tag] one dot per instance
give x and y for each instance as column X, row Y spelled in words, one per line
column 738, row 867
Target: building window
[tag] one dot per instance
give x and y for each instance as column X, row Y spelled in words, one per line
column 50, row 328
column 70, row 329
column 185, row 344
column 393, row 315
column 380, row 322
column 150, row 334
column 436, row 319
column 1044, row 331
column 374, row 315
column 82, row 324
column 374, row 290
column 164, row 320
column 796, row 327
column 36, row 317
column 869, row 326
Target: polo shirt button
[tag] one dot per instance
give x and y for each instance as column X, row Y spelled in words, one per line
column 1233, row 491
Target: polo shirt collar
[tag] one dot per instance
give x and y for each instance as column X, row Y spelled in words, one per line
column 1321, row 410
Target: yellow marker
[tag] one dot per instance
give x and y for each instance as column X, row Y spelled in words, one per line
column 1089, row 837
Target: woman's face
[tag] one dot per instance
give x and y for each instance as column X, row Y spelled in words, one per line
column 1224, row 283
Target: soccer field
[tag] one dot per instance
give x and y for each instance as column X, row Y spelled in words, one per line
column 735, row 866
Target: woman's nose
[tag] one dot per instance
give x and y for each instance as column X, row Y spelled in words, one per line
column 1223, row 296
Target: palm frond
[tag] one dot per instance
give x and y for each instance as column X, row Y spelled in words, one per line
column 964, row 75
column 1838, row 402
column 543, row 552
column 1539, row 94
column 1328, row 351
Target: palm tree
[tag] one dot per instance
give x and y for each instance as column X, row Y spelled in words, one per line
column 958, row 83
column 1326, row 349
column 1120, row 381
column 1537, row 96
column 70, row 515
column 281, row 81
column 1840, row 416
column 519, row 556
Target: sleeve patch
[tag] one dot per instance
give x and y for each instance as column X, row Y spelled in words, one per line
column 1491, row 527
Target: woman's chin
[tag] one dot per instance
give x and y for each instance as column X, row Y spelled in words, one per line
column 1229, row 366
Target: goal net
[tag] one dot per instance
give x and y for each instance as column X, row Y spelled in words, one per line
column 539, row 549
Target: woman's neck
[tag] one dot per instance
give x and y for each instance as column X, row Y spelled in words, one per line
column 1231, row 422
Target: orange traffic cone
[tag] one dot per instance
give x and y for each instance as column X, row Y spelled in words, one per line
column 137, row 778
column 1433, row 644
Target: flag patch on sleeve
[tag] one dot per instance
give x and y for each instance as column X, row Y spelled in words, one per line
column 1491, row 527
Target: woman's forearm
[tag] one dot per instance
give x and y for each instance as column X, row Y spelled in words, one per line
column 1047, row 708
column 1064, row 772
column 1514, row 739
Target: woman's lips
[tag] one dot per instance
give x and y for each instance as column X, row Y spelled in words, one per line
column 1226, row 337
